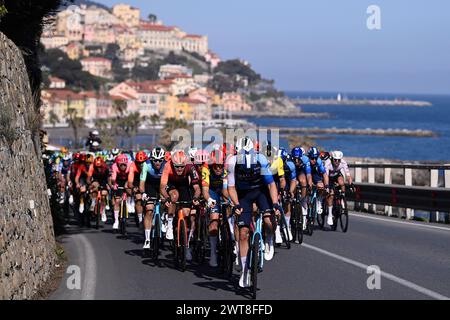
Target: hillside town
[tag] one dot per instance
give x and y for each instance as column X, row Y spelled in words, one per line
column 84, row 33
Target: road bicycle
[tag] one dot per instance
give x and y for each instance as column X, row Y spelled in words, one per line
column 181, row 236
column 226, row 243
column 297, row 217
column 123, row 213
column 256, row 261
column 201, row 232
column 282, row 223
column 340, row 210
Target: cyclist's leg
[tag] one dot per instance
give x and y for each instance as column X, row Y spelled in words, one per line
column 93, row 190
column 138, row 203
column 303, row 182
column 246, row 200
column 174, row 196
column 214, row 227
column 148, row 220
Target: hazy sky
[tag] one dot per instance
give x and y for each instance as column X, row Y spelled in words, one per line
column 324, row 45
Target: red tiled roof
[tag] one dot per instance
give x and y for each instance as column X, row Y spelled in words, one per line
column 155, row 27
column 194, row 36
column 190, row 101
column 95, row 59
column 64, row 94
column 89, row 94
column 56, row 79
column 179, row 75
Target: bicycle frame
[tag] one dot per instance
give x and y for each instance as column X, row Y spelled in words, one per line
column 156, row 213
column 258, row 230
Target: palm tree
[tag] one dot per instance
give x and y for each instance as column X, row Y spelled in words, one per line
column 76, row 123
column 53, row 118
column 154, row 119
column 171, row 125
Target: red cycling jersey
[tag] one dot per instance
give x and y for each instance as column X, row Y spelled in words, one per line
column 188, row 177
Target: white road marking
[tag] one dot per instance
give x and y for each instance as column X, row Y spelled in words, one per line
column 90, row 269
column 389, row 276
column 400, row 222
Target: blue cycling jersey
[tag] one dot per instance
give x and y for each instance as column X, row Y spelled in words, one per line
column 249, row 171
column 304, row 166
column 289, row 170
column 318, row 168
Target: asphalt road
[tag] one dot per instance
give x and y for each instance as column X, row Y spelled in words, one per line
column 414, row 259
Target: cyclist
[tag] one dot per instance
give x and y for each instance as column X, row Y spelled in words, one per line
column 291, row 183
column 277, row 171
column 63, row 173
column 138, row 164
column 97, row 179
column 304, row 177
column 122, row 176
column 250, row 181
column 319, row 177
column 81, row 182
column 150, row 181
column 336, row 168
column 214, row 187
column 177, row 178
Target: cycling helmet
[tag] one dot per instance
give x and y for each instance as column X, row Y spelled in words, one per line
column 283, row 154
column 245, row 144
column 95, row 133
column 89, row 158
column 297, row 153
column 179, row 158
column 313, row 153
column 324, row 155
column 76, row 156
column 64, row 150
column 141, row 157
column 99, row 162
column 192, row 151
column 115, row 152
column 158, row 153
column 337, row 155
column 201, row 156
column 122, row 159
column 110, row 158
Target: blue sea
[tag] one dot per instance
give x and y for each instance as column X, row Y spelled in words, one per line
column 435, row 118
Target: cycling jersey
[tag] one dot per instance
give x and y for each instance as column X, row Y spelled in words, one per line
column 180, row 182
column 212, row 181
column 341, row 169
column 277, row 169
column 137, row 173
column 152, row 178
column 250, row 171
column 304, row 167
column 99, row 175
column 82, row 173
column 289, row 171
column 121, row 177
column 64, row 170
column 317, row 171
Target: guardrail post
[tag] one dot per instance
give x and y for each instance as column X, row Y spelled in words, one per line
column 358, row 179
column 434, row 180
column 408, row 182
column 387, row 180
column 447, row 178
column 372, row 208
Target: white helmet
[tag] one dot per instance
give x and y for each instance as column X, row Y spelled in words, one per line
column 115, row 151
column 157, row 154
column 192, row 151
column 95, row 133
column 338, row 155
column 245, row 144
column 110, row 157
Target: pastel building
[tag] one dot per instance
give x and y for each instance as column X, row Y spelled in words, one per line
column 127, row 14
column 100, row 67
column 56, row 105
column 232, row 101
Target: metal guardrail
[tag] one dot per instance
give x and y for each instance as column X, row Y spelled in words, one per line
column 429, row 198
column 420, row 198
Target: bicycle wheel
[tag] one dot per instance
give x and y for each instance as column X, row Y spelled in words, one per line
column 97, row 211
column 183, row 246
column 284, row 231
column 123, row 220
column 256, row 252
column 343, row 218
column 310, row 222
column 294, row 216
column 300, row 226
column 201, row 240
column 156, row 238
column 229, row 256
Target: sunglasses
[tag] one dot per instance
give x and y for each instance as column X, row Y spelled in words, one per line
column 337, row 160
column 157, row 161
column 179, row 167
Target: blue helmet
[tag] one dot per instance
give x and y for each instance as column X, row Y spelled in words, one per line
column 313, row 153
column 297, row 153
column 283, row 154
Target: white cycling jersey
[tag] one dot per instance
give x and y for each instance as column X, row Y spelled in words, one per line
column 333, row 172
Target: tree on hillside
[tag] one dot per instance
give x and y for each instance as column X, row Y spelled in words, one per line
column 152, row 18
column 76, row 123
column 154, row 120
column 237, row 67
column 151, row 72
column 170, row 126
column 173, row 58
